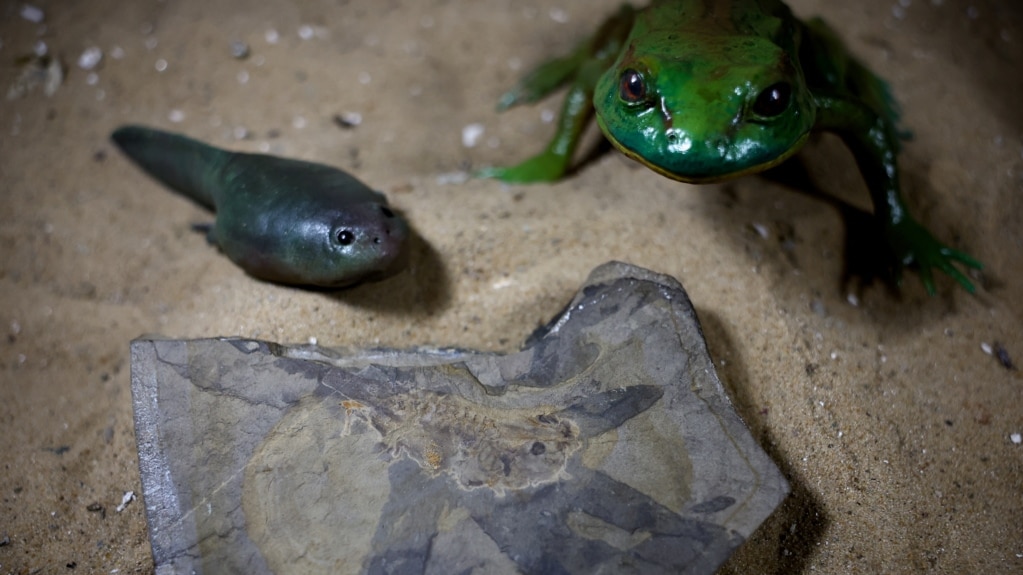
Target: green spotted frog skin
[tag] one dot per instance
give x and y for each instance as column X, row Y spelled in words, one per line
column 705, row 90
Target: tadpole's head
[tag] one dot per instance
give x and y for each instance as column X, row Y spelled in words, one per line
column 706, row 107
column 347, row 244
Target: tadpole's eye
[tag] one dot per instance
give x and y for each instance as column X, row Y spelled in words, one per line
column 345, row 237
column 773, row 100
column 632, row 87
column 538, row 448
column 386, row 211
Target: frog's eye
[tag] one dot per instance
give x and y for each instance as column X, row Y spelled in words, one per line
column 773, row 100
column 344, row 237
column 632, row 87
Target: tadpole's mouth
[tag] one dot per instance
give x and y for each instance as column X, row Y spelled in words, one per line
column 390, row 241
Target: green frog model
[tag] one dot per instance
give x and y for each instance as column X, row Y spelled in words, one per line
column 281, row 220
column 705, row 90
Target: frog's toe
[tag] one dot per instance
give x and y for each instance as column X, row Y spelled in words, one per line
column 508, row 99
column 927, row 278
column 504, row 174
column 916, row 247
column 543, row 168
column 487, row 173
column 961, row 257
column 512, row 175
column 946, row 266
column 942, row 259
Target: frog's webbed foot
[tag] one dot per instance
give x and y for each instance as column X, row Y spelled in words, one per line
column 914, row 246
column 544, row 167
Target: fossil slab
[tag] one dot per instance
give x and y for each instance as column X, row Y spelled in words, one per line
column 607, row 444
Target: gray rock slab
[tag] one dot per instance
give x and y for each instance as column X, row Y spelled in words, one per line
column 606, row 445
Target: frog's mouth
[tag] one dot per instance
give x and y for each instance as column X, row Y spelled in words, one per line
column 703, row 178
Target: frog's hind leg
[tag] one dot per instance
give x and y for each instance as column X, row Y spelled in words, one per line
column 581, row 70
column 835, row 69
column 858, row 106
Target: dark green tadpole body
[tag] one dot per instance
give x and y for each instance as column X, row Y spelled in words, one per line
column 282, row 220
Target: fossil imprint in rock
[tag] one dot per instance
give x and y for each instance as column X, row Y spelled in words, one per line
column 606, row 443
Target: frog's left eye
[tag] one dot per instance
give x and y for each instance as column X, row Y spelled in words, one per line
column 632, row 87
column 773, row 100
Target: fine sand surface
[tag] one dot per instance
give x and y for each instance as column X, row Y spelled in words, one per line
column 892, row 423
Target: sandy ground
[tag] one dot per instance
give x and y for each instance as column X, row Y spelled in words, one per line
column 889, row 419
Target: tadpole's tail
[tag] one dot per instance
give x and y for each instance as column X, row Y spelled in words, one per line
column 188, row 166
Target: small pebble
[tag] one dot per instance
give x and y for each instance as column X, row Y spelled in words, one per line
column 239, row 50
column 348, row 120
column 761, row 230
column 90, row 58
column 32, row 13
column 127, row 498
column 558, row 15
column 817, row 306
column 1003, row 357
column 471, row 134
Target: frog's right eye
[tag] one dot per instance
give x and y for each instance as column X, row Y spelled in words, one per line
column 773, row 101
column 632, row 87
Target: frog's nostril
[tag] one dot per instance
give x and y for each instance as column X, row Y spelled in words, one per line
column 678, row 142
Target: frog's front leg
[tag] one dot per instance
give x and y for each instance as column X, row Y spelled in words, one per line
column 580, row 70
column 873, row 143
column 553, row 162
